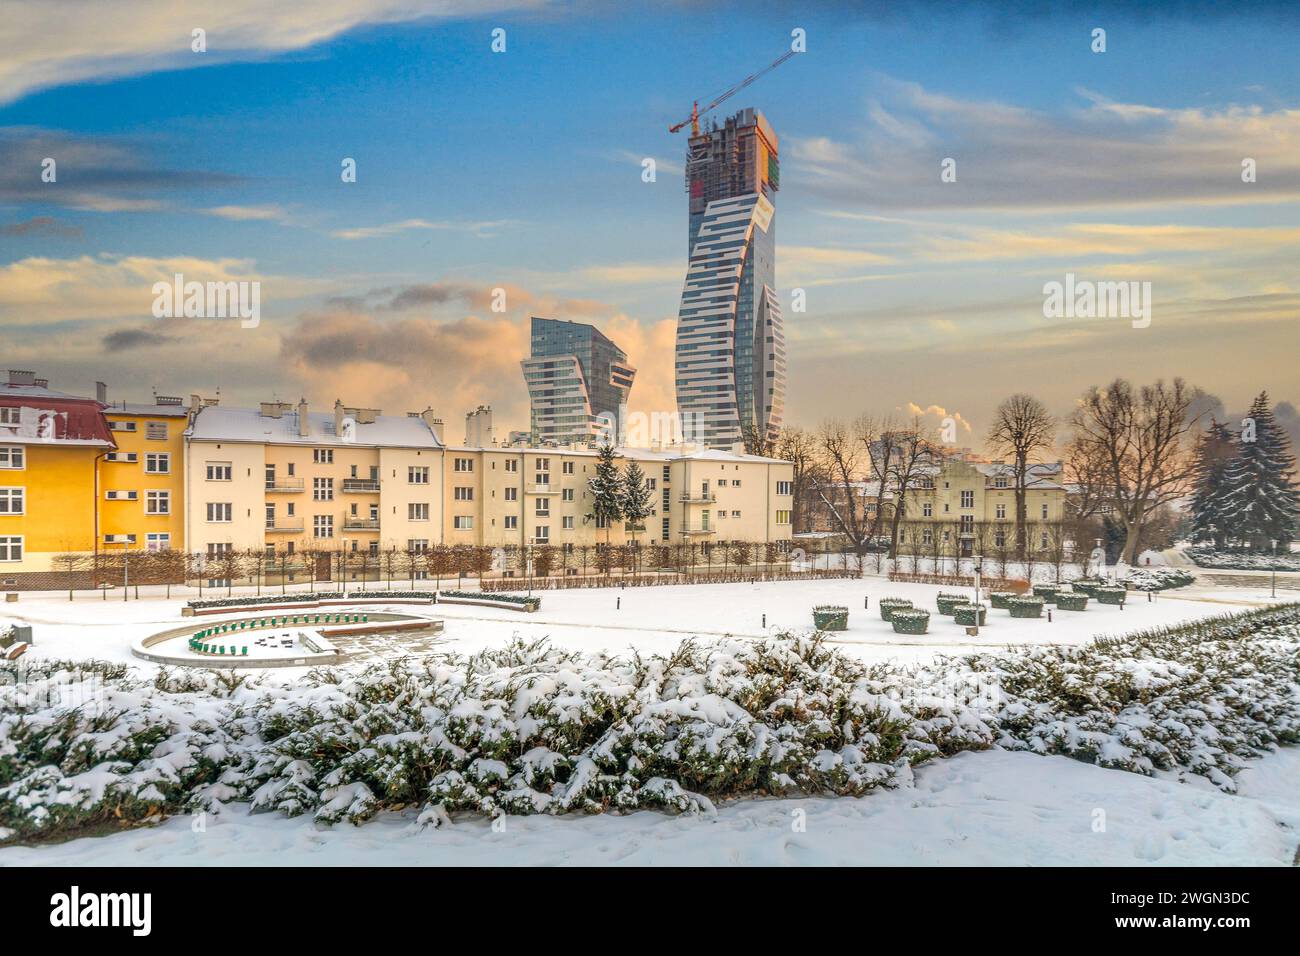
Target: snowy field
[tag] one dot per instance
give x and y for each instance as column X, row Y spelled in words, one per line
column 977, row 808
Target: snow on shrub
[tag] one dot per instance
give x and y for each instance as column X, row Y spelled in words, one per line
column 531, row 603
column 910, row 620
column 1158, row 578
column 831, row 617
column 529, row 728
column 1026, row 606
column 1066, row 601
column 1242, row 560
column 1046, row 591
column 1002, row 599
column 889, row 605
column 964, row 614
column 1109, row 595
column 946, row 602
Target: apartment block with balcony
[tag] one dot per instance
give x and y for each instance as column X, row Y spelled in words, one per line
column 142, row 482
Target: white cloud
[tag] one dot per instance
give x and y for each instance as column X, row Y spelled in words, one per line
column 481, row 229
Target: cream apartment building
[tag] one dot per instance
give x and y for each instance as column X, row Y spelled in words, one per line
column 283, row 480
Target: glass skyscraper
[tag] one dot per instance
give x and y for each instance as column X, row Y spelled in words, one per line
column 730, row 355
column 577, row 382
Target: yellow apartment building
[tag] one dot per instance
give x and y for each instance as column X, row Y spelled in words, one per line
column 142, row 482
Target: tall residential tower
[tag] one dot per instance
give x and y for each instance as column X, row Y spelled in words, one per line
column 730, row 356
column 577, row 382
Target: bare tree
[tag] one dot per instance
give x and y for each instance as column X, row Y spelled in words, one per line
column 1133, row 442
column 1022, row 428
column 911, row 451
column 799, row 447
column 835, row 484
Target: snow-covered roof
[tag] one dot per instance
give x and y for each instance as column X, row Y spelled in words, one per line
column 215, row 423
column 144, row 408
column 640, row 454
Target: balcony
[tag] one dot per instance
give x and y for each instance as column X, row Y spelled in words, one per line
column 697, row 498
column 540, row 488
column 693, row 532
column 360, row 524
column 290, row 485
column 361, row 485
column 284, row 527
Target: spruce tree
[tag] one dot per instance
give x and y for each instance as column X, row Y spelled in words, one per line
column 1214, row 450
column 636, row 500
column 606, row 488
column 1260, row 502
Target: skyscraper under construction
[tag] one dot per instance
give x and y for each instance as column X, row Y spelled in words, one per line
column 730, row 355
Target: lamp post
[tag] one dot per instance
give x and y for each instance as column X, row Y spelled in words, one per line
column 1273, row 586
column 126, row 568
column 978, row 562
column 343, row 567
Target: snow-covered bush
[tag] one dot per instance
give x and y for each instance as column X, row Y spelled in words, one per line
column 889, row 605
column 1242, row 560
column 1025, row 606
column 1002, row 599
column 529, row 728
column 910, row 620
column 964, row 614
column 1108, row 595
column 1158, row 578
column 831, row 617
column 1086, row 586
column 946, row 602
column 1066, row 601
column 1046, row 591
column 530, row 603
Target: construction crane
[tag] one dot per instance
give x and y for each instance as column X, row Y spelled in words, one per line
column 696, row 112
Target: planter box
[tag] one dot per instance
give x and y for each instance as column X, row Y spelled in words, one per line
column 910, row 620
column 965, row 614
column 831, row 618
column 889, row 605
column 1003, row 599
column 1086, row 586
column 1046, row 591
column 1072, row 602
column 1112, row 596
column 1026, row 607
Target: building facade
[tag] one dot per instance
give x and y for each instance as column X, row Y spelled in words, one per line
column 730, row 362
column 578, row 380
column 142, row 481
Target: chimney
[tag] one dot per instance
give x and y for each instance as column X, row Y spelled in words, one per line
column 339, row 413
column 20, row 377
column 435, row 424
column 478, row 427
column 101, row 393
column 304, row 428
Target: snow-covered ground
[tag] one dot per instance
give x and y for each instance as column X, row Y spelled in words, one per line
column 992, row 808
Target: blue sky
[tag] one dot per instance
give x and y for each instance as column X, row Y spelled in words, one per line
column 522, row 170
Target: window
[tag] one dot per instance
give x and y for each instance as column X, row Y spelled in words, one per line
column 463, row 522
column 783, row 517
column 1000, row 482
column 542, row 534
column 158, row 541
column 322, row 489
column 735, row 514
column 512, row 464
column 735, row 482
column 417, row 544
column 129, row 457
column 417, row 511
column 1044, row 510
column 463, row 464
column 667, row 473
column 417, row 476
column 511, row 494
column 543, row 507
column 567, row 522
column 543, row 478
column 999, row 539
column 566, row 494
column 270, row 516
column 511, row 522
column 1042, row 540
column 463, row 493
column 722, row 482
column 665, row 529
column 12, row 500
column 785, row 487
column 968, row 499
column 157, row 463
column 155, row 431
column 157, row 502
column 289, row 466
column 1000, row 511
column 543, row 464
column 9, row 416
column 219, row 547
column 927, row 510
column 121, row 426
column 652, row 483
column 322, row 456
column 11, row 456
column 11, row 546
column 219, row 471
column 967, row 524
column 568, row 468
column 322, row 526
column 927, row 536
column 219, row 511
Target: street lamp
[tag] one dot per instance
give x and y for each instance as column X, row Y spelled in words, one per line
column 343, row 566
column 978, row 562
column 126, row 567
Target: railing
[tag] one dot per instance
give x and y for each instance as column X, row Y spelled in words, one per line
column 685, row 529
column 539, row 488
column 360, row 524
column 360, row 484
column 284, row 526
column 697, row 497
column 284, row 484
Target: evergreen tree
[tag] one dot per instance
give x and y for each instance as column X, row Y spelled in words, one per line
column 1260, row 502
column 606, row 488
column 1214, row 450
column 636, row 500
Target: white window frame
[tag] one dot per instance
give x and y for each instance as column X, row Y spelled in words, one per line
column 155, row 497
column 8, row 544
column 155, row 458
column 417, row 511
column 218, row 508
column 10, row 453
column 10, row 495
column 215, row 469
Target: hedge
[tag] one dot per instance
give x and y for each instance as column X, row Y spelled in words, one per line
column 964, row 614
column 910, row 620
column 946, row 602
column 1026, row 607
column 1046, row 591
column 532, row 603
column 1107, row 595
column 1072, row 602
column 831, row 617
column 889, row 605
column 1003, row 599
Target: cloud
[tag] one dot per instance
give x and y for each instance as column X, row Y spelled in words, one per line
column 92, row 40
column 482, row 230
column 267, row 213
column 41, row 226
column 1101, row 154
column 124, row 339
